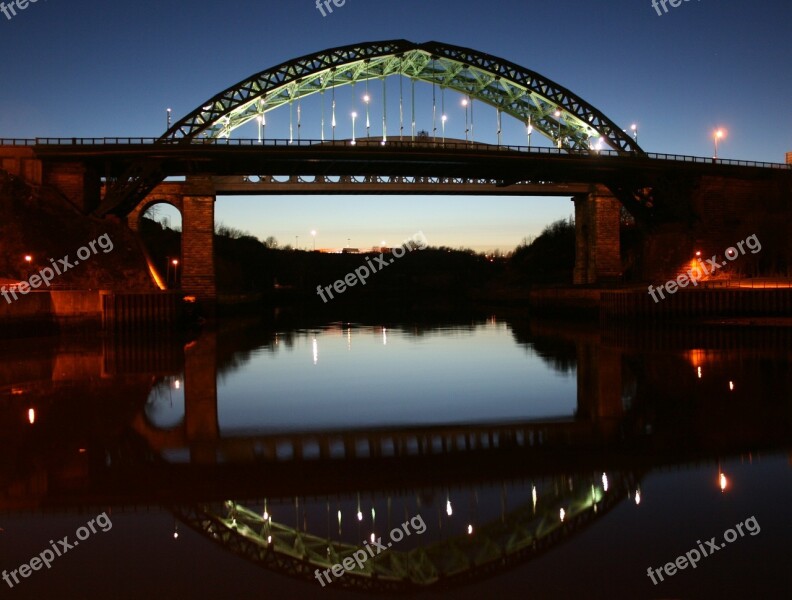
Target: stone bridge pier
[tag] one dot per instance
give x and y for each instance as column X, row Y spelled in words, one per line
column 195, row 200
column 597, row 245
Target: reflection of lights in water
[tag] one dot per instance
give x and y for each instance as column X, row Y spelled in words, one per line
column 176, row 384
column 637, row 497
column 470, row 530
column 449, row 510
column 699, row 372
column 373, row 537
column 360, row 516
column 384, row 336
column 723, row 482
column 604, row 482
column 562, row 514
column 533, row 496
column 315, row 351
column 31, row 415
column 269, row 539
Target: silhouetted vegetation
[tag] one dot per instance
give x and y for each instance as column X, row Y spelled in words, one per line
column 549, row 258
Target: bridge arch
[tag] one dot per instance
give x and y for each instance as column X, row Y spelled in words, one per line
column 521, row 535
column 543, row 105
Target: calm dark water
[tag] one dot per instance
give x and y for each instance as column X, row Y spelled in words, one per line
column 494, row 453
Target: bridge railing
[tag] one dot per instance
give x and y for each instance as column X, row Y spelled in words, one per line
column 391, row 143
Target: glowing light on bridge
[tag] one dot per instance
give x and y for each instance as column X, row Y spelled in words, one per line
column 470, row 529
column 449, row 509
column 604, row 482
column 562, row 514
column 718, row 135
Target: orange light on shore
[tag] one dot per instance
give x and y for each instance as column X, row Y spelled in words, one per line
column 723, row 482
column 28, row 258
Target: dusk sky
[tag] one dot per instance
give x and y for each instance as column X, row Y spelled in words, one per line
column 91, row 68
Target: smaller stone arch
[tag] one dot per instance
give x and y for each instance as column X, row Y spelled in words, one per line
column 195, row 199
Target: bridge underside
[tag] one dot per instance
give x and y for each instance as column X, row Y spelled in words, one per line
column 596, row 212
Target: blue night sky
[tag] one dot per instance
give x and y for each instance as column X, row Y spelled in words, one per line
column 90, row 68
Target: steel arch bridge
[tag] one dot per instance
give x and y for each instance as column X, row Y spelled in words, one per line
column 500, row 545
column 541, row 104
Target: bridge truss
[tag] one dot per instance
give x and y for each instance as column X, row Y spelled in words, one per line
column 523, row 533
column 539, row 103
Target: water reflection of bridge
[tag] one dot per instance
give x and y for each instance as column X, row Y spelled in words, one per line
column 599, row 406
column 518, row 535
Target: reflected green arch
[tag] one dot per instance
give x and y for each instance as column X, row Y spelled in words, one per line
column 517, row 91
column 494, row 547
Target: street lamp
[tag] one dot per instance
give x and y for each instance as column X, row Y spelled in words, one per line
column 718, row 136
column 262, row 124
column 169, row 117
column 354, row 116
column 465, row 103
column 313, row 233
column 558, row 116
column 443, row 120
column 367, row 100
column 634, row 129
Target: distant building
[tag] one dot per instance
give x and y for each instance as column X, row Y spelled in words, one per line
column 789, row 158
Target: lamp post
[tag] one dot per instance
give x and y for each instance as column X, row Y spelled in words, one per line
column 443, row 120
column 168, row 111
column 465, row 103
column 634, row 129
column 261, row 119
column 354, row 116
column 718, row 136
column 366, row 101
column 558, row 116
column 175, row 263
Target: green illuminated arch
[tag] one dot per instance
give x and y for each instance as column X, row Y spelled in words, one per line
column 519, row 92
column 524, row 533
